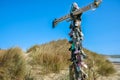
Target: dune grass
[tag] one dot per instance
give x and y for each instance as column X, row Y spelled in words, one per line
column 98, row 65
column 54, row 56
column 12, row 64
column 50, row 57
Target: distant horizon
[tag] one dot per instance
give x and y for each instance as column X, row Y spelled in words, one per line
column 104, row 54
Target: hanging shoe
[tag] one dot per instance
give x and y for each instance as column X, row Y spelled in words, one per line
column 76, row 52
column 84, row 65
column 71, row 41
column 83, row 54
column 71, row 34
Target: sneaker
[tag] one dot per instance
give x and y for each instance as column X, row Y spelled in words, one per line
column 71, row 34
column 71, row 41
column 76, row 52
column 84, row 55
column 79, row 79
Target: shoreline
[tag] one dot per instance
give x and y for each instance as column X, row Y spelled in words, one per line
column 116, row 63
column 114, row 60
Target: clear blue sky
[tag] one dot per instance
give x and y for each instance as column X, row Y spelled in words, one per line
column 25, row 23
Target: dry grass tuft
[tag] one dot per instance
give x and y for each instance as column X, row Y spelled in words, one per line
column 52, row 57
column 49, row 57
column 12, row 64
